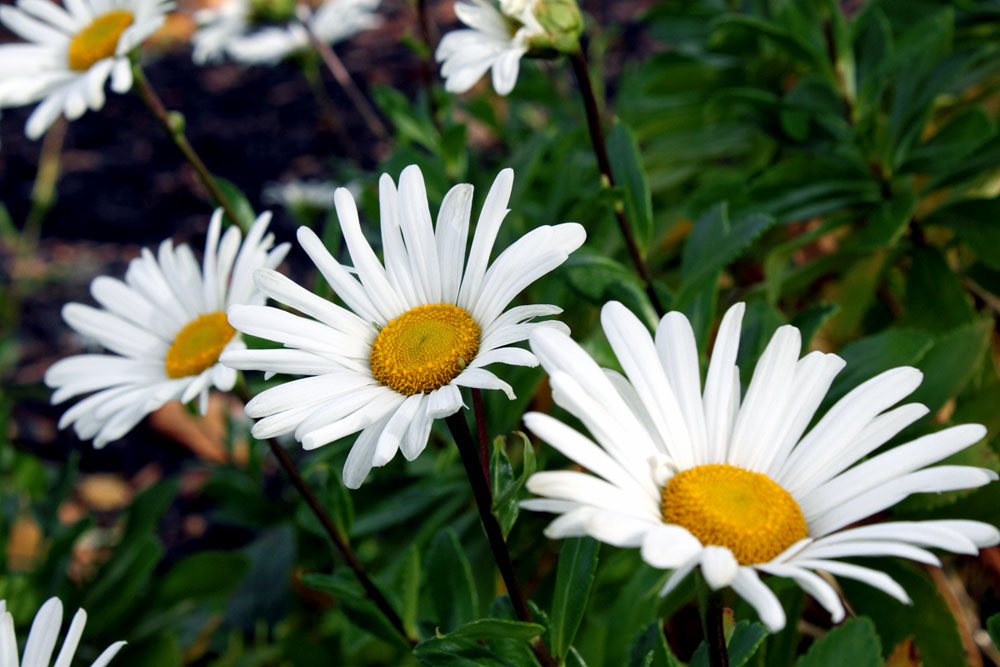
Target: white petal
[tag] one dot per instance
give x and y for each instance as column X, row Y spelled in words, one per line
column 395, row 429
column 494, row 211
column 749, row 586
column 812, row 584
column 669, row 547
column 718, row 397
column 719, row 566
column 43, row 634
column 451, row 234
column 874, row 578
column 764, row 405
column 72, row 640
column 359, row 460
column 679, row 355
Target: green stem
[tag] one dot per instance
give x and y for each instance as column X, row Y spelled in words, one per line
column 469, row 452
column 175, row 131
column 340, row 542
column 579, row 62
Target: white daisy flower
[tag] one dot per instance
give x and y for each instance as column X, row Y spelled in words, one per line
column 70, row 53
column 420, row 327
column 254, row 32
column 702, row 479
column 165, row 326
column 42, row 638
column 495, row 39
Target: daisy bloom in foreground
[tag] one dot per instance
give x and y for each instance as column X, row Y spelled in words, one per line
column 70, row 53
column 42, row 638
column 495, row 38
column 414, row 331
column 165, row 327
column 701, row 478
column 268, row 31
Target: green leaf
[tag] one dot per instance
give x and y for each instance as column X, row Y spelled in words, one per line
column 574, row 577
column 975, row 223
column 204, row 575
column 574, row 659
column 358, row 609
column 854, row 643
column 889, row 220
column 936, row 301
column 495, row 628
column 928, row 620
column 993, row 627
column 408, row 582
column 241, row 205
column 870, row 356
column 855, row 295
column 950, row 363
column 746, row 639
column 812, row 319
column 744, row 642
column 158, row 651
column 449, row 578
column 507, row 489
column 626, row 166
column 602, row 279
column 650, row 649
column 714, row 244
column 457, row 653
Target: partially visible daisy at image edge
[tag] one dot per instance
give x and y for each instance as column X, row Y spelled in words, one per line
column 164, row 326
column 495, row 39
column 268, row 31
column 70, row 52
column 415, row 329
column 42, row 638
column 697, row 478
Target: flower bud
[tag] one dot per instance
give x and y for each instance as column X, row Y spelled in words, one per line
column 562, row 22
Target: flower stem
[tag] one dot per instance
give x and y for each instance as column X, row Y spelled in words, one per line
column 484, row 445
column 715, row 634
column 343, row 77
column 175, row 131
column 484, row 501
column 582, row 72
column 339, row 541
column 43, row 193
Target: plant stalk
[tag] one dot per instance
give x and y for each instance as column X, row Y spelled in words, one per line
column 43, row 193
column 484, row 445
column 715, row 633
column 343, row 77
column 176, row 133
column 597, row 140
column 339, row 541
column 484, row 501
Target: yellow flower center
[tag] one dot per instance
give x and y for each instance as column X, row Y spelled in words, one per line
column 744, row 511
column 99, row 40
column 198, row 345
column 424, row 348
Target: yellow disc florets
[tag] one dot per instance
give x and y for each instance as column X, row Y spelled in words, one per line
column 744, row 511
column 99, row 40
column 424, row 348
column 198, row 345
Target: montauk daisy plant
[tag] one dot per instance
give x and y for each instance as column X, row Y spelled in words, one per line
column 417, row 328
column 164, row 327
column 70, row 52
column 739, row 486
column 41, row 641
